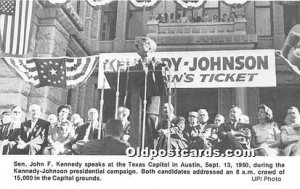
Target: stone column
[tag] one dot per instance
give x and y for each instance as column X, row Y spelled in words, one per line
column 250, row 17
column 225, row 100
column 253, row 103
column 121, row 24
column 240, row 99
column 13, row 90
column 75, row 99
column 81, row 102
column 51, row 40
column 278, row 25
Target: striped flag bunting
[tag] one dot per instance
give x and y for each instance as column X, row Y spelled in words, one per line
column 58, row 72
column 15, row 26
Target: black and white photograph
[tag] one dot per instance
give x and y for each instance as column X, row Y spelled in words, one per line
column 137, row 93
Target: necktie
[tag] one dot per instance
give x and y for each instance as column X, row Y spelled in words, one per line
column 5, row 132
column 91, row 134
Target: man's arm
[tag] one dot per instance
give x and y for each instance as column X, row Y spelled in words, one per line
column 179, row 126
column 39, row 139
column 288, row 138
column 223, row 133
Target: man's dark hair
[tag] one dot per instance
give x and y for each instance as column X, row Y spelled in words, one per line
column 293, row 108
column 5, row 113
column 114, row 127
column 64, row 106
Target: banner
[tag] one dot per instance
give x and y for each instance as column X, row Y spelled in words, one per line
column 207, row 69
column 53, row 71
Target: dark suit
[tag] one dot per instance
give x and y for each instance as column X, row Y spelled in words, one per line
column 105, row 146
column 80, row 132
column 200, row 138
column 240, row 141
column 80, row 139
column 8, row 132
column 156, row 87
column 35, row 137
column 177, row 140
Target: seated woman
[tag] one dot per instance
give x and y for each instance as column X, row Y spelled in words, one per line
column 266, row 134
column 61, row 135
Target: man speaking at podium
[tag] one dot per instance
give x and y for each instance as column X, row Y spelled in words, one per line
column 156, row 87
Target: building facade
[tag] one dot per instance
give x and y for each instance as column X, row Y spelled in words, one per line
column 78, row 29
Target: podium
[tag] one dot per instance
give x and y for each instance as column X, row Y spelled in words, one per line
column 134, row 81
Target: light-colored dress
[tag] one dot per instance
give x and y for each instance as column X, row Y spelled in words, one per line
column 61, row 134
column 265, row 135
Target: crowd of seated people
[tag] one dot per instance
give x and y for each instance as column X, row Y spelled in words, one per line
column 195, row 18
column 63, row 133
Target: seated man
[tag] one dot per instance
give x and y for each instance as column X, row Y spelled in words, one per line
column 5, row 118
column 233, row 134
column 213, row 138
column 171, row 129
column 200, row 130
column 111, row 144
column 190, row 125
column 9, row 132
column 87, row 131
column 34, row 133
column 290, row 133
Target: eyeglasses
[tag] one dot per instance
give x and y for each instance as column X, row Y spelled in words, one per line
column 16, row 112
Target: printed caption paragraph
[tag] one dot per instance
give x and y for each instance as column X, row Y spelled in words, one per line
column 81, row 171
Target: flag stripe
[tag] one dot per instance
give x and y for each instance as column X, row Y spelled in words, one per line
column 23, row 17
column 2, row 17
column 87, row 73
column 11, row 34
column 79, row 64
column 28, row 26
column 5, row 33
column 70, row 63
column 8, row 33
column 16, row 28
column 11, row 62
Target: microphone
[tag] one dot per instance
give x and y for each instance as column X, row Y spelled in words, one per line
column 159, row 62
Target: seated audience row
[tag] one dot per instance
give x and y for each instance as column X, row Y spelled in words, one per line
column 59, row 135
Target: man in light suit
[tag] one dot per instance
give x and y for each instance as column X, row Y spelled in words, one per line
column 34, row 133
column 290, row 133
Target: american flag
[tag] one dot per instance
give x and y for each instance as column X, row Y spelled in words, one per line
column 57, row 72
column 15, row 25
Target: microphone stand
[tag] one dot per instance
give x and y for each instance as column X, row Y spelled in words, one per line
column 144, row 107
column 117, row 93
column 101, row 110
column 169, row 102
column 126, row 92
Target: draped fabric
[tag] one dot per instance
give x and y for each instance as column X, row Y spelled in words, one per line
column 144, row 3
column 190, row 4
column 232, row 2
column 98, row 2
